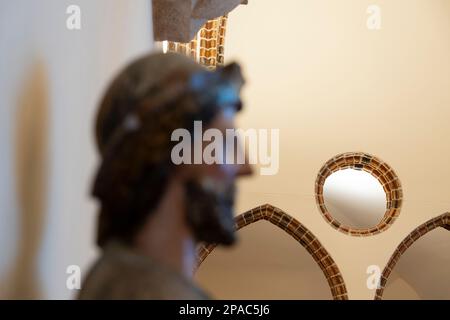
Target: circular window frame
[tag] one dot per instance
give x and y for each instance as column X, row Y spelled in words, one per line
column 376, row 167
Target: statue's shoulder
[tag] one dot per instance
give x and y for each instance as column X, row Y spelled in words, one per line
column 122, row 274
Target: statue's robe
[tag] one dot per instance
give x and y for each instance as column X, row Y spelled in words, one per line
column 121, row 273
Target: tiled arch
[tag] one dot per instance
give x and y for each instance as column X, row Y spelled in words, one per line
column 380, row 170
column 208, row 46
column 300, row 233
column 440, row 221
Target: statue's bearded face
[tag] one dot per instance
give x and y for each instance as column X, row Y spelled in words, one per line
column 211, row 188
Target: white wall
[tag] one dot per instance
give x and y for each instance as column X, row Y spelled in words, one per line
column 50, row 82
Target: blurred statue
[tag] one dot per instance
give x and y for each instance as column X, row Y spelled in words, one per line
column 153, row 213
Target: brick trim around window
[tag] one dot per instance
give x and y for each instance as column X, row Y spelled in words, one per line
column 440, row 221
column 300, row 233
column 380, row 170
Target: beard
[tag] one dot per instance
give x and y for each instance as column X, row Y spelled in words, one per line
column 210, row 211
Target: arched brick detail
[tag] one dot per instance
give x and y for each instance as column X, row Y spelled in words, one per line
column 440, row 221
column 300, row 233
column 376, row 167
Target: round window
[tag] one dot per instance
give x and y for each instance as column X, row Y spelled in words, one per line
column 358, row 194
